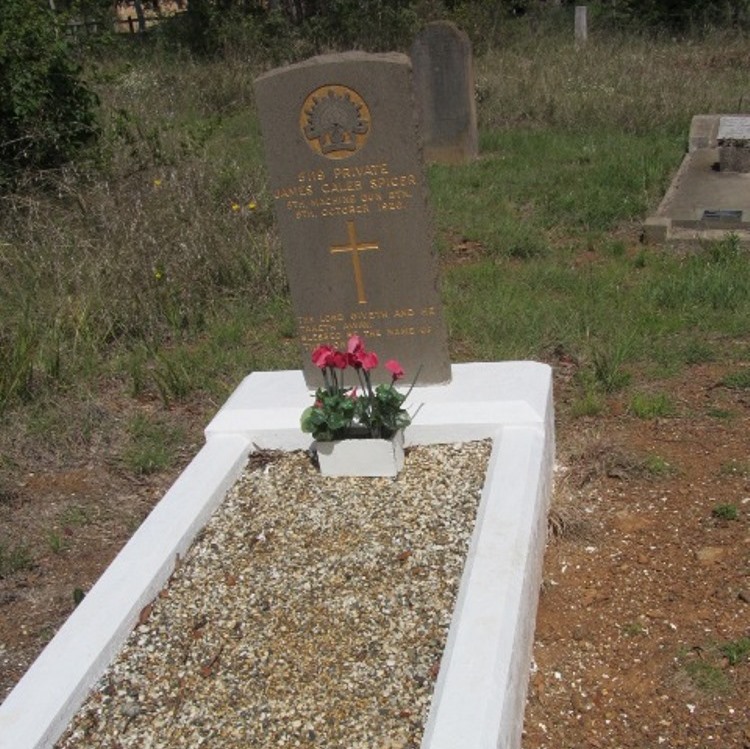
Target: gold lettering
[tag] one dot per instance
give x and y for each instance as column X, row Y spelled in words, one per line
column 294, row 190
column 399, row 180
column 314, row 176
column 397, row 206
column 401, row 331
column 371, row 315
column 347, row 186
column 367, row 170
column 346, row 210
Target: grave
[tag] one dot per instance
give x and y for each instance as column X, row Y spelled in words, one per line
column 479, row 696
column 349, row 191
column 444, row 83
column 478, row 699
column 710, row 194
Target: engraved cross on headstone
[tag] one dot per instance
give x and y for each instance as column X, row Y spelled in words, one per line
column 355, row 248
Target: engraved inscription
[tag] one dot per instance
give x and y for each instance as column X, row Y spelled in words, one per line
column 346, row 191
column 335, row 121
column 336, row 327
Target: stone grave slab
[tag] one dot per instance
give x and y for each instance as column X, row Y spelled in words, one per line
column 709, row 196
column 444, row 85
column 348, row 184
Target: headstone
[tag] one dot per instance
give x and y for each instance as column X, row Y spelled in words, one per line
column 733, row 139
column 346, row 176
column 581, row 24
column 444, row 86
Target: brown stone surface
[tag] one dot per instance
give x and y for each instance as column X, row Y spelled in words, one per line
column 734, row 158
column 444, row 86
column 348, row 184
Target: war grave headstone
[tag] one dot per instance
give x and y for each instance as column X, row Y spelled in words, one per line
column 444, row 84
column 348, row 184
column 709, row 195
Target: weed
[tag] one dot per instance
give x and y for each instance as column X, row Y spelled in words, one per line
column 697, row 352
column 172, row 376
column 56, row 542
column 719, row 413
column 633, row 629
column 18, row 348
column 14, row 559
column 647, row 405
column 706, row 676
column 75, row 516
column 736, row 651
column 608, row 368
column 151, row 445
column 725, row 250
column 590, row 403
column 725, row 512
column 657, row 467
column 739, row 380
column 735, row 467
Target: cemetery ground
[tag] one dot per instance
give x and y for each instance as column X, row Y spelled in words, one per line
column 113, row 363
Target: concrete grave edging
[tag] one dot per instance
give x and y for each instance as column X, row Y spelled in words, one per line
column 480, row 693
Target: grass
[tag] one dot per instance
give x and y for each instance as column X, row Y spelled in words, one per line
column 152, row 268
column 658, row 467
column 726, row 512
column 705, row 666
column 736, row 651
column 647, row 405
column 152, row 445
column 565, row 168
column 14, row 558
column 739, row 380
column 707, row 677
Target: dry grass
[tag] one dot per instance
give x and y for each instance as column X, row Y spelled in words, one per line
column 636, row 84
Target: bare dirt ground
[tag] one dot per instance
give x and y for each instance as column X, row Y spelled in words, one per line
column 643, row 631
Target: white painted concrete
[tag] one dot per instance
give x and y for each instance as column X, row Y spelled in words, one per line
column 480, row 693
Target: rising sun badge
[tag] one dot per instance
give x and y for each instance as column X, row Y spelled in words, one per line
column 335, row 121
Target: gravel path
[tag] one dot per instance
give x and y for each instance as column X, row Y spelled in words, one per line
column 310, row 612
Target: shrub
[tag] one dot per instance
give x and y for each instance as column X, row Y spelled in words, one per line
column 46, row 110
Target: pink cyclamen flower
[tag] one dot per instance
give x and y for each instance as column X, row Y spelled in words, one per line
column 322, row 357
column 396, row 370
column 368, row 360
column 339, row 360
column 355, row 345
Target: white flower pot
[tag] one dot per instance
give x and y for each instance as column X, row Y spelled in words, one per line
column 362, row 457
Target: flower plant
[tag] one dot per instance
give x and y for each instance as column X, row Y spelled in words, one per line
column 359, row 411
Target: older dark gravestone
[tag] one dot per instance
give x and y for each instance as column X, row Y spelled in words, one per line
column 348, row 185
column 444, row 84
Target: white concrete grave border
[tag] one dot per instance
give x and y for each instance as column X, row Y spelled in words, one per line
column 480, row 693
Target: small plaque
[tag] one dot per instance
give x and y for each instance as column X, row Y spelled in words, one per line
column 734, row 128
column 722, row 214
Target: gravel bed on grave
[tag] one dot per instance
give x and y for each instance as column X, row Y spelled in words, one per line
column 310, row 612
